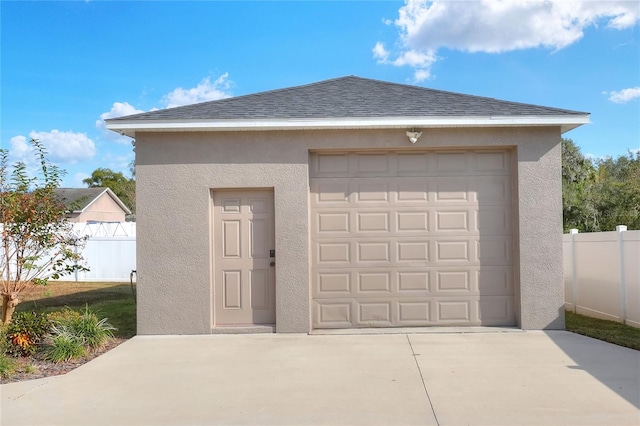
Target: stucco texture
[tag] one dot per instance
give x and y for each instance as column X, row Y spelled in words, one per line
column 176, row 173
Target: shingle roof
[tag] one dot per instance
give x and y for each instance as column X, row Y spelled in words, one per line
column 79, row 198
column 348, row 97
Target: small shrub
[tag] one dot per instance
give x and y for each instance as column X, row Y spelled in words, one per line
column 86, row 326
column 7, row 366
column 65, row 345
column 25, row 331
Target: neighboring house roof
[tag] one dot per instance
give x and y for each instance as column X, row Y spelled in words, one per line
column 348, row 102
column 81, row 198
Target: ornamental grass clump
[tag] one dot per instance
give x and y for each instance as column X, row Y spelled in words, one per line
column 94, row 331
column 86, row 326
column 65, row 345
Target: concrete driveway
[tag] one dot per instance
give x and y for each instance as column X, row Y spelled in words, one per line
column 491, row 378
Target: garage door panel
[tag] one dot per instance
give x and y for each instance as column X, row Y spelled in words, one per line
column 336, row 313
column 493, row 220
column 495, row 280
column 375, row 164
column 332, row 222
column 410, row 164
column 451, row 163
column 367, row 251
column 370, row 191
column 414, row 313
column 494, row 250
column 453, row 251
column 412, row 239
column 455, row 311
column 333, row 252
column 331, row 192
column 410, row 190
column 372, row 221
column 413, row 282
column 409, row 221
column 332, row 284
column 374, row 283
column 424, row 281
column 378, row 313
column 492, row 190
column 453, row 220
column 451, row 191
column 492, row 162
column 454, row 281
column 495, row 310
column 330, row 164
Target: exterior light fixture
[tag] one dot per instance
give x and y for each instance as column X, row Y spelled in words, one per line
column 413, row 135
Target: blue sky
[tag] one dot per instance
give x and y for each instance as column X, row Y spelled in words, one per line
column 67, row 65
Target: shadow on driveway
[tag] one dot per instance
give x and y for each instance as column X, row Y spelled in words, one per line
column 606, row 362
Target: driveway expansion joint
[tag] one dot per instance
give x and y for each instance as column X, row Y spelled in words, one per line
column 424, row 385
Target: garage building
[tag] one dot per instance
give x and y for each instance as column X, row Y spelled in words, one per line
column 349, row 203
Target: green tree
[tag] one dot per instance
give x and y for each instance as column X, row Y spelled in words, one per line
column 617, row 192
column 37, row 242
column 578, row 178
column 122, row 186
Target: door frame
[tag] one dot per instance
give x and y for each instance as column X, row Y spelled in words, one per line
column 212, row 258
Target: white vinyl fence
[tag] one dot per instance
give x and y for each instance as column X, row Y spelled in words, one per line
column 602, row 274
column 110, row 252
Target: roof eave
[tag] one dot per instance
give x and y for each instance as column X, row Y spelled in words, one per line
column 131, row 127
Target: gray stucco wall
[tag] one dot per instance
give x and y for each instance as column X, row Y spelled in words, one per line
column 176, row 171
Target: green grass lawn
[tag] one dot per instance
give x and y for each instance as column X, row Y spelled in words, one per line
column 609, row 331
column 111, row 300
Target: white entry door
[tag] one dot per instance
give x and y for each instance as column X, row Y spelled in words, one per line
column 244, row 258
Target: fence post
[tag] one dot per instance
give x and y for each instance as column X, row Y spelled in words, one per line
column 623, row 285
column 75, row 273
column 574, row 267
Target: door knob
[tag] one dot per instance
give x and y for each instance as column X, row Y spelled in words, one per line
column 272, row 264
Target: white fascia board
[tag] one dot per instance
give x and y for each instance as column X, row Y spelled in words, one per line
column 129, row 128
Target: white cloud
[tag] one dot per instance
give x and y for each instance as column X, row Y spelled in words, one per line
column 421, row 75
column 118, row 109
column 495, row 26
column 625, row 95
column 204, row 91
column 62, row 147
column 421, row 61
column 380, row 53
column 416, row 59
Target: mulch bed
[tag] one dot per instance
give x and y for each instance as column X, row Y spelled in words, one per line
column 43, row 368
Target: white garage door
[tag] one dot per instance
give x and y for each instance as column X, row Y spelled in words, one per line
column 411, row 238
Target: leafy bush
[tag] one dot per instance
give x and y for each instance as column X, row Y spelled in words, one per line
column 7, row 366
column 66, row 345
column 25, row 331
